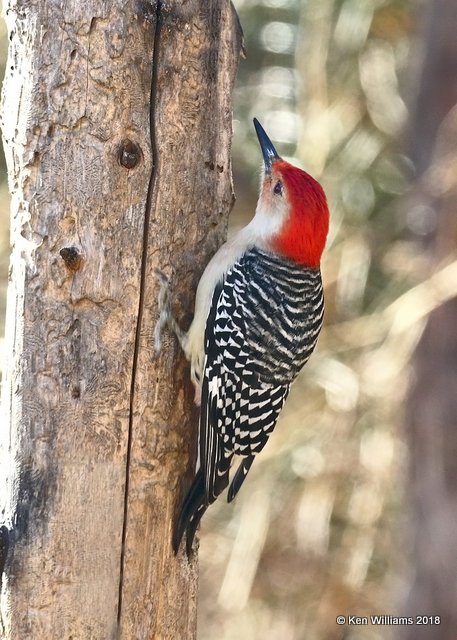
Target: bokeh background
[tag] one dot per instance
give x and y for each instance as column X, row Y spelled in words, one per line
column 354, row 91
column 315, row 531
column 325, row 524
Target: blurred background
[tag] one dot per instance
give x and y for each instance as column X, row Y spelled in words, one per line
column 350, row 509
column 333, row 516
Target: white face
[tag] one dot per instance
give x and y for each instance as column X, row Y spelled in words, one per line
column 272, row 207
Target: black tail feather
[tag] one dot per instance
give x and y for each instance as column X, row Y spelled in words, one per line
column 195, row 503
column 191, row 511
column 192, row 527
column 239, row 477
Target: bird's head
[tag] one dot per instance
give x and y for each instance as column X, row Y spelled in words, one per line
column 292, row 208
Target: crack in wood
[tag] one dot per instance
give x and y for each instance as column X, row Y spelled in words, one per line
column 150, row 200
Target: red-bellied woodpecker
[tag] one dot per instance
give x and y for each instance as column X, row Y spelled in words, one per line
column 258, row 314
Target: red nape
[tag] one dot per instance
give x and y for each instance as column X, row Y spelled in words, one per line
column 302, row 238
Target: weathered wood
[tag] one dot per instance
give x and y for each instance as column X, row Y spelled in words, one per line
column 98, row 432
column 196, row 63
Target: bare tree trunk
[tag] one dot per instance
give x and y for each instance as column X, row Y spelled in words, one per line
column 436, row 87
column 431, row 412
column 117, row 129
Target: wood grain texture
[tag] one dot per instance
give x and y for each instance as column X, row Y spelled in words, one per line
column 197, row 60
column 98, row 433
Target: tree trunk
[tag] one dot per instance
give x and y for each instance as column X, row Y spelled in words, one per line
column 431, row 410
column 117, row 129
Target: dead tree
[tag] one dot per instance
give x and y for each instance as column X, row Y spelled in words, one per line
column 117, row 130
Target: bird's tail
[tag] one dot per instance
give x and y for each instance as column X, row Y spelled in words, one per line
column 240, row 477
column 192, row 510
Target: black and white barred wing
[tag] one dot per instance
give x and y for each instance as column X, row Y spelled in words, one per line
column 262, row 327
column 238, row 411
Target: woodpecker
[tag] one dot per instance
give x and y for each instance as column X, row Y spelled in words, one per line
column 258, row 313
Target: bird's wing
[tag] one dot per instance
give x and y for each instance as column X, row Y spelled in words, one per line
column 238, row 410
column 262, row 326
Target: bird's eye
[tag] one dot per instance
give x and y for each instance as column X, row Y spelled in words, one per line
column 278, row 188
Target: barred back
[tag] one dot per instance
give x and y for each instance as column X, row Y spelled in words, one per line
column 263, row 325
column 283, row 310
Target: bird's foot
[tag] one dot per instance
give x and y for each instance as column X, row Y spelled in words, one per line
column 166, row 317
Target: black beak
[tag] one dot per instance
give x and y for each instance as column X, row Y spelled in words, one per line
column 268, row 150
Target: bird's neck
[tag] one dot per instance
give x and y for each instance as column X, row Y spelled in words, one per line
column 301, row 242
